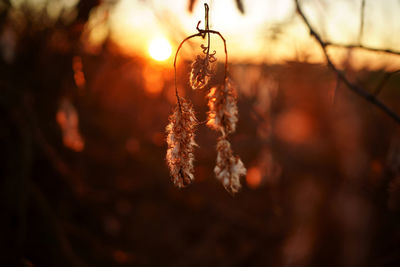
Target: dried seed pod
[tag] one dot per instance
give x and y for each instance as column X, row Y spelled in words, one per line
column 223, row 111
column 180, row 139
column 229, row 168
column 201, row 70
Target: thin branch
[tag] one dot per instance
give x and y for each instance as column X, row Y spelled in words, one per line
column 191, row 5
column 360, row 35
column 364, row 47
column 240, row 6
column 383, row 82
column 353, row 87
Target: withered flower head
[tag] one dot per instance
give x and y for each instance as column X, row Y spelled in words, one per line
column 202, row 69
column 229, row 168
column 180, row 140
column 223, row 111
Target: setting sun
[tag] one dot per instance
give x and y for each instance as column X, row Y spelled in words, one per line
column 160, row 49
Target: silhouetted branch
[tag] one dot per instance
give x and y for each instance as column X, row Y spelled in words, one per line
column 383, row 82
column 364, row 47
column 240, row 6
column 191, row 5
column 360, row 36
column 353, row 87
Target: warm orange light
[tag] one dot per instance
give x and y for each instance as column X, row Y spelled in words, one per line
column 160, row 49
column 294, row 126
column 254, row 177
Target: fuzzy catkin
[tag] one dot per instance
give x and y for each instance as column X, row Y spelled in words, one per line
column 229, row 168
column 223, row 111
column 180, row 140
column 201, row 71
column 222, row 117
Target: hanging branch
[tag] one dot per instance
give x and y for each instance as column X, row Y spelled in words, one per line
column 201, row 33
column 222, row 117
column 353, row 87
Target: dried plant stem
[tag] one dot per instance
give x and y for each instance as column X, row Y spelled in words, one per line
column 207, row 28
column 222, row 117
column 201, row 34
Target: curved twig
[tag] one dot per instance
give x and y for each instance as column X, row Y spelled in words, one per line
column 176, row 56
column 201, row 33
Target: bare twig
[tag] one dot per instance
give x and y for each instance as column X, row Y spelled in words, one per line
column 191, row 5
column 353, row 87
column 240, row 6
column 383, row 82
column 364, row 47
column 360, row 35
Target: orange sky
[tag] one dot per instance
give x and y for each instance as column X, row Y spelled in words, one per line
column 134, row 23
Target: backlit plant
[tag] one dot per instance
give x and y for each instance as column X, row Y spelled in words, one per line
column 222, row 117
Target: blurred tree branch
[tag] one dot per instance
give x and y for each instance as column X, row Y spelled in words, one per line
column 32, row 81
column 191, row 5
column 239, row 5
column 353, row 87
column 360, row 35
column 383, row 82
column 364, row 47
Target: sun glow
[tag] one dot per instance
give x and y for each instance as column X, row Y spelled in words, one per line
column 160, row 49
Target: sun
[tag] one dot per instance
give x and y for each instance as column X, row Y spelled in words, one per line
column 160, row 49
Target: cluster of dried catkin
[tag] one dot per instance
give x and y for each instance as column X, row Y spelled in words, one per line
column 180, row 139
column 222, row 117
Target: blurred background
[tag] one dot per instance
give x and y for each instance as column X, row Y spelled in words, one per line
column 86, row 88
